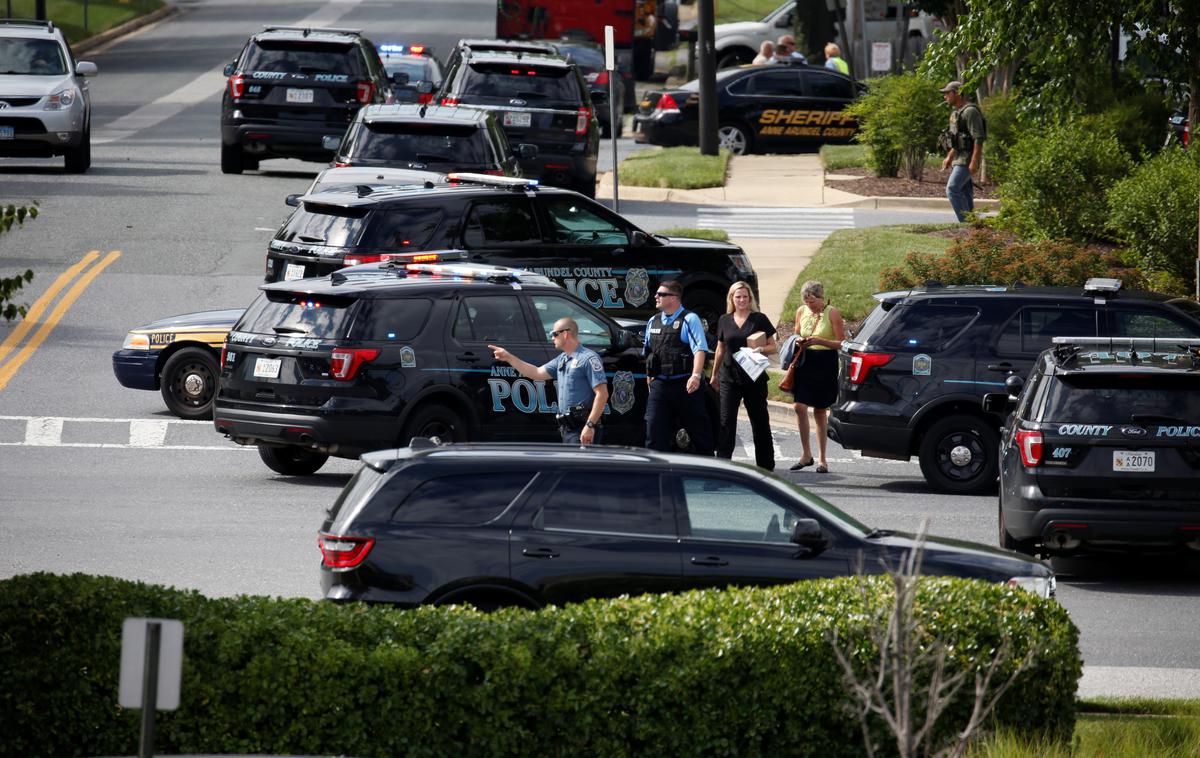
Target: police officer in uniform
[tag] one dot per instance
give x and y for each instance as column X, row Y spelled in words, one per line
column 675, row 351
column 579, row 377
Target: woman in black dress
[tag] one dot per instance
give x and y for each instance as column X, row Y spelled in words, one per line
column 734, row 384
column 821, row 331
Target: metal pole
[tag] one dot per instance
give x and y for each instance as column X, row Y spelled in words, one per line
column 39, row 10
column 150, row 689
column 708, row 78
column 612, row 132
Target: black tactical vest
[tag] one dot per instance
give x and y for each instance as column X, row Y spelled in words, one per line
column 964, row 141
column 670, row 354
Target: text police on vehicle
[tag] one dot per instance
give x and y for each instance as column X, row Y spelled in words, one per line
column 594, row 253
column 1103, row 449
column 761, row 109
column 370, row 357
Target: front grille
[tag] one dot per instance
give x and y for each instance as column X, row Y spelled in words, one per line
column 19, row 102
column 23, row 125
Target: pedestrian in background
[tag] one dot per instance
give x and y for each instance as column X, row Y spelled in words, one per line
column 790, row 53
column 675, row 350
column 821, row 331
column 742, row 319
column 967, row 132
column 833, row 59
column 766, row 53
column 579, row 378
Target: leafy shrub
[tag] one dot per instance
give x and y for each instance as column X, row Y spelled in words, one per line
column 1057, row 180
column 899, row 118
column 1138, row 121
column 987, row 256
column 710, row 672
column 1154, row 212
column 1000, row 111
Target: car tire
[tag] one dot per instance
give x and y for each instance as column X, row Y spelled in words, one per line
column 1008, row 542
column 249, row 164
column 706, row 304
column 734, row 57
column 189, row 383
column 435, row 421
column 292, row 461
column 232, row 159
column 587, row 187
column 735, row 138
column 77, row 160
column 958, row 455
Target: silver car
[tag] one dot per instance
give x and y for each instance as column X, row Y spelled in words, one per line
column 45, row 109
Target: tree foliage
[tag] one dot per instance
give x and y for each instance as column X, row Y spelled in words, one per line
column 899, row 119
column 11, row 285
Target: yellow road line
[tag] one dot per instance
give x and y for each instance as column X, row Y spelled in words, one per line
column 34, row 313
column 10, row 369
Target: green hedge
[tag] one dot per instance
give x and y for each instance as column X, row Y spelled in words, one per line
column 715, row 673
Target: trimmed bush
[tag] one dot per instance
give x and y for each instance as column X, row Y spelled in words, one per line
column 1057, row 180
column 899, row 118
column 745, row 671
column 1000, row 111
column 987, row 256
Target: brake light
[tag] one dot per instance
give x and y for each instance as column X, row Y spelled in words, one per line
column 237, row 86
column 365, row 91
column 416, row 49
column 345, row 361
column 424, row 98
column 359, row 259
column 339, row 164
column 449, row 101
column 667, row 104
column 862, row 363
column 600, row 77
column 582, row 120
column 1029, row 443
column 222, row 363
column 344, row 552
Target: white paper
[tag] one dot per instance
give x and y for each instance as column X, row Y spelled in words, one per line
column 751, row 362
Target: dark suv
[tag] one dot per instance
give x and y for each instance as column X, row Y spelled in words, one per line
column 530, row 525
column 1103, row 449
column 577, row 242
column 428, row 138
column 290, row 87
column 539, row 99
column 368, row 359
column 913, row 377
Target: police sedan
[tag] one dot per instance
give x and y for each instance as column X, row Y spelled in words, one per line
column 778, row 108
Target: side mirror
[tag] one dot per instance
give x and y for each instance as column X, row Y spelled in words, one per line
column 292, row 200
column 526, row 152
column 998, row 402
column 330, row 142
column 622, row 340
column 806, row 532
column 639, row 238
column 1014, row 384
column 400, row 78
column 228, row 70
column 86, row 68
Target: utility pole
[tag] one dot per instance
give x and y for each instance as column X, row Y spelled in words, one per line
column 708, row 78
column 40, row 10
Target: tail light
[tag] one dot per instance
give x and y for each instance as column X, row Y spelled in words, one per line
column 449, row 100
column 1029, row 443
column 237, row 86
column 425, row 98
column 365, row 91
column 340, row 164
column 667, row 104
column 358, row 259
column 345, row 361
column 862, row 363
column 582, row 120
column 600, row 77
column 344, row 552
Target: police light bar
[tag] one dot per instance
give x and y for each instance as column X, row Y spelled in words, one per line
column 457, row 177
column 434, row 257
column 395, row 49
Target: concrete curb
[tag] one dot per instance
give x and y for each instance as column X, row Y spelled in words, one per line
column 133, row 24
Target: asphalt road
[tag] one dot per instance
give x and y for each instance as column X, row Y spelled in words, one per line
column 100, row 479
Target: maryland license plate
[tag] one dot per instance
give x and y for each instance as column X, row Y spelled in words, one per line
column 295, row 95
column 517, row 119
column 267, row 368
column 6, row 132
column 1130, row 460
column 293, row 271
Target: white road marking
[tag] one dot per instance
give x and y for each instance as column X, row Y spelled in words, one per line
column 776, row 223
column 147, row 433
column 144, row 434
column 43, row 431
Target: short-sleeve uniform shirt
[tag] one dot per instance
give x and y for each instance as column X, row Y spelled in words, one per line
column 575, row 375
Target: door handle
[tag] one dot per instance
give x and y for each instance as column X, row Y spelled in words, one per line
column 1005, row 366
column 539, row 552
column 712, row 560
column 468, row 357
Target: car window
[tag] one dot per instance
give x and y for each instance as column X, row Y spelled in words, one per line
column 504, row 222
column 463, row 499
column 573, row 223
column 296, row 57
column 1140, row 322
column 534, row 84
column 593, row 332
column 392, row 143
column 785, row 83
column 821, row 84
column 601, row 502
column 923, row 326
column 324, row 225
column 402, row 228
column 33, row 57
column 491, row 318
column 721, row 509
column 418, row 69
column 353, row 497
column 298, row 315
column 1115, row 398
column 391, row 319
column 1032, row 329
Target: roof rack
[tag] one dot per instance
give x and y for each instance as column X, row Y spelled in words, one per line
column 1120, row 350
column 47, row 25
column 512, row 182
column 307, row 30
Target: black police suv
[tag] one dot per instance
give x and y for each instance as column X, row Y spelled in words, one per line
column 1102, row 450
column 580, row 244
column 912, row 379
column 428, row 138
column 368, row 359
column 529, row 525
column 589, row 57
column 478, row 45
column 538, row 99
column 760, row 109
column 290, row 87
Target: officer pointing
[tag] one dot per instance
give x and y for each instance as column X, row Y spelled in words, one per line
column 675, row 352
column 579, row 376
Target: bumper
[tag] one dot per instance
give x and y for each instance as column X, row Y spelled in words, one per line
column 1114, row 524
column 42, row 133
column 136, row 369
column 281, row 140
column 343, row 434
column 874, row 436
column 314, row 265
column 561, row 168
column 669, row 131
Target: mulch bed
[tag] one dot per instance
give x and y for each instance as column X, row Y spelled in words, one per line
column 932, row 184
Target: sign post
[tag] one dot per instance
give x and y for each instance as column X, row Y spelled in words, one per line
column 151, row 670
column 610, row 64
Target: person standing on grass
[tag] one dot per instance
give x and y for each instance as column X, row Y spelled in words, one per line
column 968, row 130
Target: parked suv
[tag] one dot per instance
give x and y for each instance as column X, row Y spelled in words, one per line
column 1103, row 449
column 913, row 377
column 530, row 525
column 591, row 251
column 290, row 87
column 428, row 138
column 47, row 109
column 539, row 99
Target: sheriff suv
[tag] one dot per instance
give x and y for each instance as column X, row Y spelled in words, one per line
column 290, row 87
column 1103, row 448
column 913, row 377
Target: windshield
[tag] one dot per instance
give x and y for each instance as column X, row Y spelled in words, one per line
column 416, row 68
column 1119, row 397
column 294, row 57
column 32, row 57
column 325, row 317
column 320, row 224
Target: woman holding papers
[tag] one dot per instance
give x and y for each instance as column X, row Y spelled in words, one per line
column 745, row 337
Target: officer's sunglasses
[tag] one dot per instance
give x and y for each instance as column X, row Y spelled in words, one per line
column 557, row 332
column 664, row 294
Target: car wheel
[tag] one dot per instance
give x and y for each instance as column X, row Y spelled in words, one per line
column 189, row 383
column 733, row 138
column 734, row 57
column 706, row 304
column 959, row 455
column 1008, row 542
column 435, row 421
column 232, row 159
column 77, row 160
column 587, row 187
column 249, row 164
column 292, row 461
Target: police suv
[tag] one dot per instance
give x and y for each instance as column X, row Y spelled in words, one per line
column 1103, row 448
column 373, row 356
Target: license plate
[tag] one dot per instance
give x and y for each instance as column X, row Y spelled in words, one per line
column 267, row 368
column 518, row 119
column 6, row 132
column 299, row 95
column 293, row 271
column 1129, row 460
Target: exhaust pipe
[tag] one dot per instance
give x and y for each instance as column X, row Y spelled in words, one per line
column 1063, row 540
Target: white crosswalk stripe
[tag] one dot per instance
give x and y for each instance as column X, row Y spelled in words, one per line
column 776, row 223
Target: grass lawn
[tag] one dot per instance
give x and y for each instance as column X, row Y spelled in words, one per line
column 674, row 167
column 834, row 157
column 743, row 10
column 716, row 235
column 69, row 14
